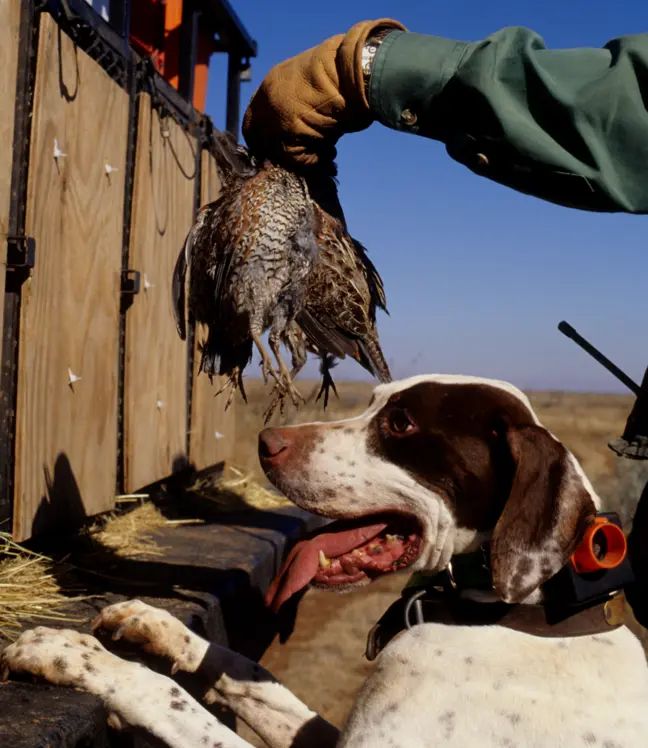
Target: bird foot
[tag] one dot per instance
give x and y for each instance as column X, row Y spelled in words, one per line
column 295, row 395
column 277, row 401
column 283, row 389
column 234, row 382
column 328, row 385
column 268, row 370
column 285, row 381
column 290, row 390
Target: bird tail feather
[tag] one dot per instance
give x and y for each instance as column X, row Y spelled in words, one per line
column 220, row 358
column 371, row 357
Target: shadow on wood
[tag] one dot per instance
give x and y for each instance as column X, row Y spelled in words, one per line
column 63, row 503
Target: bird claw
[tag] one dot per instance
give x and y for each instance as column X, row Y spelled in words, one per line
column 295, row 395
column 267, row 370
column 277, row 401
column 328, row 385
column 234, row 382
column 284, row 388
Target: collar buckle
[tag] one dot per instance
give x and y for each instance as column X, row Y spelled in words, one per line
column 413, row 604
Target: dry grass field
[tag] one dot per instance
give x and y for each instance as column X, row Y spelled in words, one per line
column 323, row 661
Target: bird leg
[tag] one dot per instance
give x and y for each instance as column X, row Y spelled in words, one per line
column 285, row 377
column 295, row 343
column 266, row 362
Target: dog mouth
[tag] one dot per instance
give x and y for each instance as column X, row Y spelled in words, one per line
column 348, row 552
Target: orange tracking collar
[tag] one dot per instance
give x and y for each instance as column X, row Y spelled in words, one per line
column 604, row 546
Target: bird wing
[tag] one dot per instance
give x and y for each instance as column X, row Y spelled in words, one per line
column 322, row 333
column 178, row 294
column 178, row 281
column 222, row 250
column 344, row 291
column 375, row 282
column 200, row 251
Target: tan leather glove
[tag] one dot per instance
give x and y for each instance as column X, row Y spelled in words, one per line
column 306, row 103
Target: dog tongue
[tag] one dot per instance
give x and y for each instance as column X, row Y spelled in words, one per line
column 302, row 563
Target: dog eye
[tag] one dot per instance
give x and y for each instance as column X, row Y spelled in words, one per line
column 399, row 422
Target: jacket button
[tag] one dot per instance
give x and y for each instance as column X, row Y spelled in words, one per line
column 408, row 117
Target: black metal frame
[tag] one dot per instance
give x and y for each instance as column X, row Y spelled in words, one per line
column 15, row 277
column 240, row 48
column 109, row 46
column 188, row 48
column 126, row 298
column 191, row 327
column 95, row 37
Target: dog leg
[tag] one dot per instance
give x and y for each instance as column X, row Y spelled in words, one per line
column 134, row 695
column 236, row 682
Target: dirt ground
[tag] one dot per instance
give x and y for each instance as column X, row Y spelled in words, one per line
column 323, row 661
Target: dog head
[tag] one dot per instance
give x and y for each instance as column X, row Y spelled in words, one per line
column 435, row 466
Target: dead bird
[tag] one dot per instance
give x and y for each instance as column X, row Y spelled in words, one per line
column 338, row 317
column 265, row 256
column 249, row 254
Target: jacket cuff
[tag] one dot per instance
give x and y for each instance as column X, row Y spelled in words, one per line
column 349, row 58
column 408, row 73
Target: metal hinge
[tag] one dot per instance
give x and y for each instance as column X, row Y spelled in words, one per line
column 130, row 282
column 21, row 252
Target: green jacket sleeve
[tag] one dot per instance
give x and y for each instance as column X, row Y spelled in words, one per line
column 569, row 126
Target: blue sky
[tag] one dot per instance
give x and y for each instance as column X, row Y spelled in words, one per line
column 477, row 276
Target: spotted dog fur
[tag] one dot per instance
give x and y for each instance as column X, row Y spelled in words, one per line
column 134, row 695
column 476, row 464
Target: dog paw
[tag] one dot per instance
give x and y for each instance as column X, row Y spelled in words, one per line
column 62, row 657
column 157, row 630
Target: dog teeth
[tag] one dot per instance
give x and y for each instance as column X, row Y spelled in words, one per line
column 323, row 561
column 392, row 538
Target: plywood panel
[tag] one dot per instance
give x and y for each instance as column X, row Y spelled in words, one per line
column 9, row 21
column 212, row 429
column 155, row 405
column 66, row 438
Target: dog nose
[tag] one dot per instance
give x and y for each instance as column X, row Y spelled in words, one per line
column 273, row 445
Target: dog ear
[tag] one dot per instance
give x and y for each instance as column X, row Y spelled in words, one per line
column 547, row 511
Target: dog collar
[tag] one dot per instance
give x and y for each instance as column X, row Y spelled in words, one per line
column 432, row 605
column 598, row 567
column 578, row 601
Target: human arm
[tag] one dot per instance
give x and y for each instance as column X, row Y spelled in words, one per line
column 569, row 126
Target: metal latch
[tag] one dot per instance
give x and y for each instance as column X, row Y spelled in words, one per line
column 21, row 252
column 130, row 282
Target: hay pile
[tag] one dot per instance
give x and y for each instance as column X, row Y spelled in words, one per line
column 129, row 534
column 235, row 490
column 29, row 590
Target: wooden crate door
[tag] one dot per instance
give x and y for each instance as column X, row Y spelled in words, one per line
column 212, row 429
column 9, row 22
column 66, row 431
column 155, row 414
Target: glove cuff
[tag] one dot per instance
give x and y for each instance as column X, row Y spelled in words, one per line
column 349, row 61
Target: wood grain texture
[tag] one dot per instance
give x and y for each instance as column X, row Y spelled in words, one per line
column 66, row 436
column 155, row 404
column 212, row 428
column 9, row 22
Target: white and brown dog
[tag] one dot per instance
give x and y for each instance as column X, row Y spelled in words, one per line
column 436, row 468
